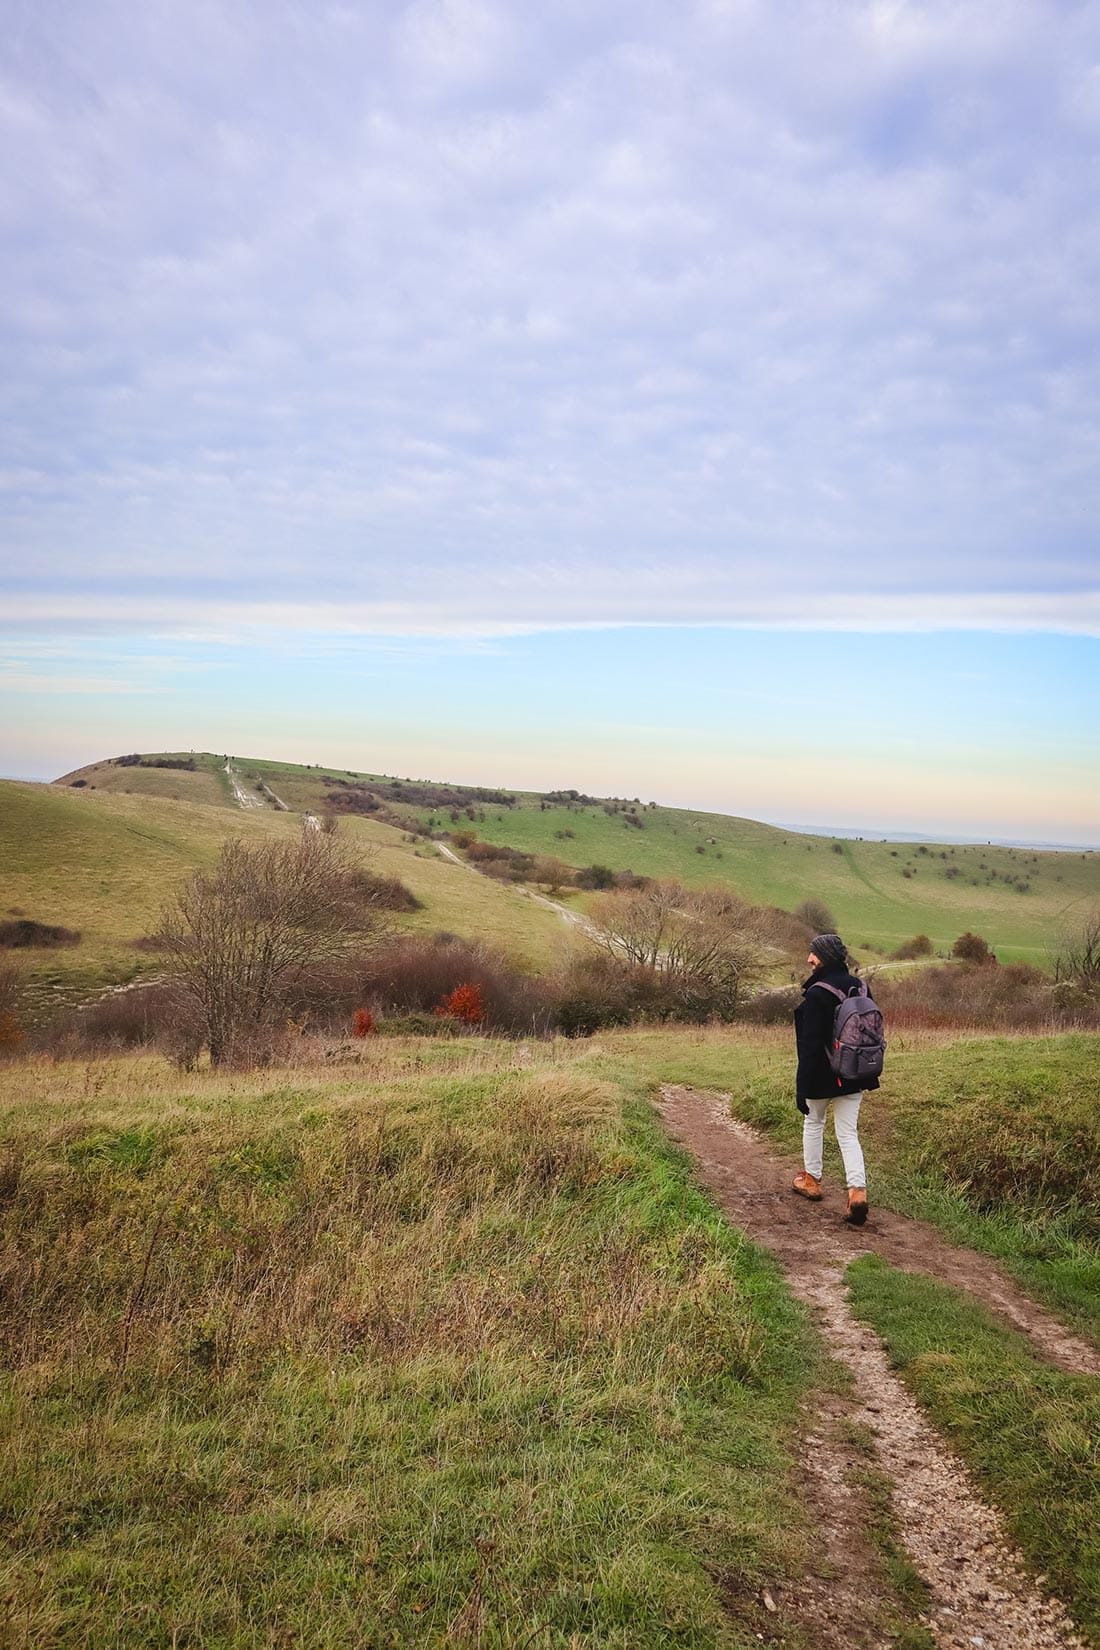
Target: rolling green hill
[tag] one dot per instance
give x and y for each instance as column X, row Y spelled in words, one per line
column 207, row 782
column 880, row 893
column 105, row 864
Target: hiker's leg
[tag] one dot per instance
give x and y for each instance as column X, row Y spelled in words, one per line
column 846, row 1124
column 813, row 1136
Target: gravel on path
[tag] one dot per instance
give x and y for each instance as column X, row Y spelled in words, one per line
column 982, row 1596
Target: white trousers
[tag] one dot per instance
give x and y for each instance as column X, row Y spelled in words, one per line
column 846, row 1123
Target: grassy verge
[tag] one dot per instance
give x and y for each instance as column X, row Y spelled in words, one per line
column 912, row 1597
column 443, row 1349
column 992, row 1139
column 1031, row 1433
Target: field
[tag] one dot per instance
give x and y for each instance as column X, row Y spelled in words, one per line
column 880, row 893
column 865, row 885
column 434, row 1343
column 208, row 783
column 105, row 863
column 436, row 1349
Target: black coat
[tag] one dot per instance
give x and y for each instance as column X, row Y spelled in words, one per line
column 813, row 1034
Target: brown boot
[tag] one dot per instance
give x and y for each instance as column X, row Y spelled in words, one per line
column 857, row 1206
column 806, row 1186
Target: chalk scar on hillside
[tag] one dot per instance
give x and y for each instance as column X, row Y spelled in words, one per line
column 980, row 1591
column 245, row 799
column 574, row 918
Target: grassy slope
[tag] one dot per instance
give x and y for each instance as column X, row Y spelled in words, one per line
column 207, row 784
column 442, row 1350
column 863, row 883
column 105, row 864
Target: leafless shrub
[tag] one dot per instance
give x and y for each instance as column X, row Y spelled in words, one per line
column 12, row 1035
column 240, row 939
column 909, row 950
column 598, row 989
column 783, row 929
column 1013, row 997
column 769, row 1008
column 817, row 917
column 704, row 945
column 146, row 942
column 411, row 975
column 387, row 893
column 25, row 933
column 972, row 948
column 1078, row 962
column 156, row 1014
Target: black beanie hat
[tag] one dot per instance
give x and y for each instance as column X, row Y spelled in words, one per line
column 829, row 949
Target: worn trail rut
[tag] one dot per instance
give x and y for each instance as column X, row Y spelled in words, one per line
column 981, row 1594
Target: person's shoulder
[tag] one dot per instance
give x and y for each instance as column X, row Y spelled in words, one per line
column 837, row 979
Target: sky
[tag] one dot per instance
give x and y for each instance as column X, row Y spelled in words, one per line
column 609, row 394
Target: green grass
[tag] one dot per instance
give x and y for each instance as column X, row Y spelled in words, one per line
column 106, row 863
column 880, row 893
column 208, row 783
column 905, row 1629
column 994, row 1140
column 862, row 883
column 444, row 1350
column 1030, row 1432
column 442, row 1347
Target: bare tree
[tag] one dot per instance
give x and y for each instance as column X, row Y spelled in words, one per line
column 816, row 915
column 241, row 938
column 1079, row 959
column 704, row 945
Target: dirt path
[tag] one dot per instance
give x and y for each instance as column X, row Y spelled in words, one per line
column 245, row 799
column 574, row 918
column 753, row 1186
column 981, row 1596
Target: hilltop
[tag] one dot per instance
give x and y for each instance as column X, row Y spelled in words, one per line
column 881, row 893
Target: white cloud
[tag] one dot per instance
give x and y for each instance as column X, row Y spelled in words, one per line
column 456, row 314
column 540, row 600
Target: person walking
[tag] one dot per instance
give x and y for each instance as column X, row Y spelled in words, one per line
column 817, row 1084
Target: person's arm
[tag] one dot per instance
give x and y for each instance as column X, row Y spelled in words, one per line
column 813, row 1032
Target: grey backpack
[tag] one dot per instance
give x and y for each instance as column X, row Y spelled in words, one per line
column 859, row 1037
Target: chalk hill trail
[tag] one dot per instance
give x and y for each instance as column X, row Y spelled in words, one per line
column 981, row 1595
column 881, row 894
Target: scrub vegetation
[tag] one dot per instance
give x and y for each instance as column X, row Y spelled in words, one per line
column 435, row 1347
column 104, row 865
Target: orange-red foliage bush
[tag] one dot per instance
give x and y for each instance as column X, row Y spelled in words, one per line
column 362, row 1024
column 465, row 1004
column 11, row 1034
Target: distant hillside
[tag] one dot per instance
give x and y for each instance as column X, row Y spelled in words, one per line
column 176, row 776
column 105, row 864
column 880, row 893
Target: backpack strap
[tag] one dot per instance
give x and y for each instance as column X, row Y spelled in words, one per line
column 834, row 990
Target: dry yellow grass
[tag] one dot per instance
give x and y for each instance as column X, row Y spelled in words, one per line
column 106, row 864
column 435, row 1348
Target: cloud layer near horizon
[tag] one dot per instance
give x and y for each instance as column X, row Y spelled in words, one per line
column 452, row 315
